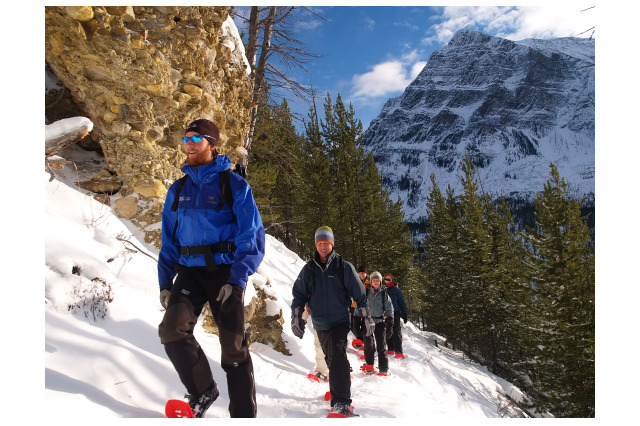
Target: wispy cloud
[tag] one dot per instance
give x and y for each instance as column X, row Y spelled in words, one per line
column 406, row 25
column 513, row 23
column 369, row 23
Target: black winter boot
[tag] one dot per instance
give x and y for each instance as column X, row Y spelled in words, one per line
column 201, row 403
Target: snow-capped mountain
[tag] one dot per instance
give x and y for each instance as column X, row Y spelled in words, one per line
column 513, row 106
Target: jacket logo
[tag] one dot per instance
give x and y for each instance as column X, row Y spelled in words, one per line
column 185, row 198
column 211, row 200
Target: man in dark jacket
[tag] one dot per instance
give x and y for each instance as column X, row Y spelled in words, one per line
column 400, row 311
column 210, row 248
column 329, row 296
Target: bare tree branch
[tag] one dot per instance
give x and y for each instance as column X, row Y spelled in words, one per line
column 273, row 51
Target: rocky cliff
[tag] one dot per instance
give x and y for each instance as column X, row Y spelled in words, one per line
column 141, row 74
column 513, row 107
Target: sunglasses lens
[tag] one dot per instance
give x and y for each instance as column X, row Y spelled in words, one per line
column 194, row 138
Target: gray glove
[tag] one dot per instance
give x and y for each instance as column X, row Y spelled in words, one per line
column 230, row 295
column 297, row 323
column 164, row 298
column 369, row 323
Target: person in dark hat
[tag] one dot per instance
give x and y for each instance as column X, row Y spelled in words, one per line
column 209, row 250
column 328, row 283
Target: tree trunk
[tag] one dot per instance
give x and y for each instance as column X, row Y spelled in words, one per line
column 258, row 71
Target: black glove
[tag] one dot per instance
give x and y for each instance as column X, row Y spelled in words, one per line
column 404, row 318
column 229, row 297
column 369, row 323
column 297, row 324
column 389, row 326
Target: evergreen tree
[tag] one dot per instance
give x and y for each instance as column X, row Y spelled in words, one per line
column 288, row 177
column 562, row 341
column 441, row 254
column 264, row 168
column 275, row 174
column 475, row 278
column 510, row 291
column 342, row 188
column 314, row 198
column 341, row 132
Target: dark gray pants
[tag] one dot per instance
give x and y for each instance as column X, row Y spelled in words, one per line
column 334, row 346
column 194, row 287
column 377, row 342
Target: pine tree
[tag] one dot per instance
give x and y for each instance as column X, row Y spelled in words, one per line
column 475, row 274
column 562, row 342
column 442, row 298
column 510, row 290
column 341, row 132
column 314, row 198
column 369, row 228
column 275, row 174
column 287, row 178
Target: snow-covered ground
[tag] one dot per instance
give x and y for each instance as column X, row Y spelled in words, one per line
column 115, row 367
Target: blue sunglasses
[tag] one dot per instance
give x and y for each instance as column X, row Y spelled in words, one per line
column 194, row 138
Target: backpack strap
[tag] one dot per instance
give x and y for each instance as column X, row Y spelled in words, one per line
column 174, row 205
column 176, row 200
column 226, row 195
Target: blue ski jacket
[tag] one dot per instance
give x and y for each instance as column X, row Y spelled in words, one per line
column 329, row 299
column 397, row 299
column 197, row 223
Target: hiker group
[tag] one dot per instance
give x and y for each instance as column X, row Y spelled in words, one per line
column 340, row 300
column 213, row 239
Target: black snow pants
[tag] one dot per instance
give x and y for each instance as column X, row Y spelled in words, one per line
column 334, row 346
column 395, row 343
column 357, row 326
column 377, row 341
column 192, row 288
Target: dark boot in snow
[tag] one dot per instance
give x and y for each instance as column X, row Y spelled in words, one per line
column 199, row 404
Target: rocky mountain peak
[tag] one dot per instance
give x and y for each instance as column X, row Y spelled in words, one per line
column 466, row 37
column 513, row 107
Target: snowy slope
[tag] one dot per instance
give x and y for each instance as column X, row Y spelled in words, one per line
column 115, row 367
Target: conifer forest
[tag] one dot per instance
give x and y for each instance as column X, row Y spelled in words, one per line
column 518, row 299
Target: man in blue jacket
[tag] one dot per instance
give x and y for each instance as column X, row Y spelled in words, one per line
column 328, row 283
column 209, row 249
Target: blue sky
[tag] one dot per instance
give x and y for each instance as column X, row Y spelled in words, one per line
column 371, row 53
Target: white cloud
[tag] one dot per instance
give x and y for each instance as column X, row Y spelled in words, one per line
column 416, row 68
column 563, row 19
column 388, row 77
column 382, row 79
